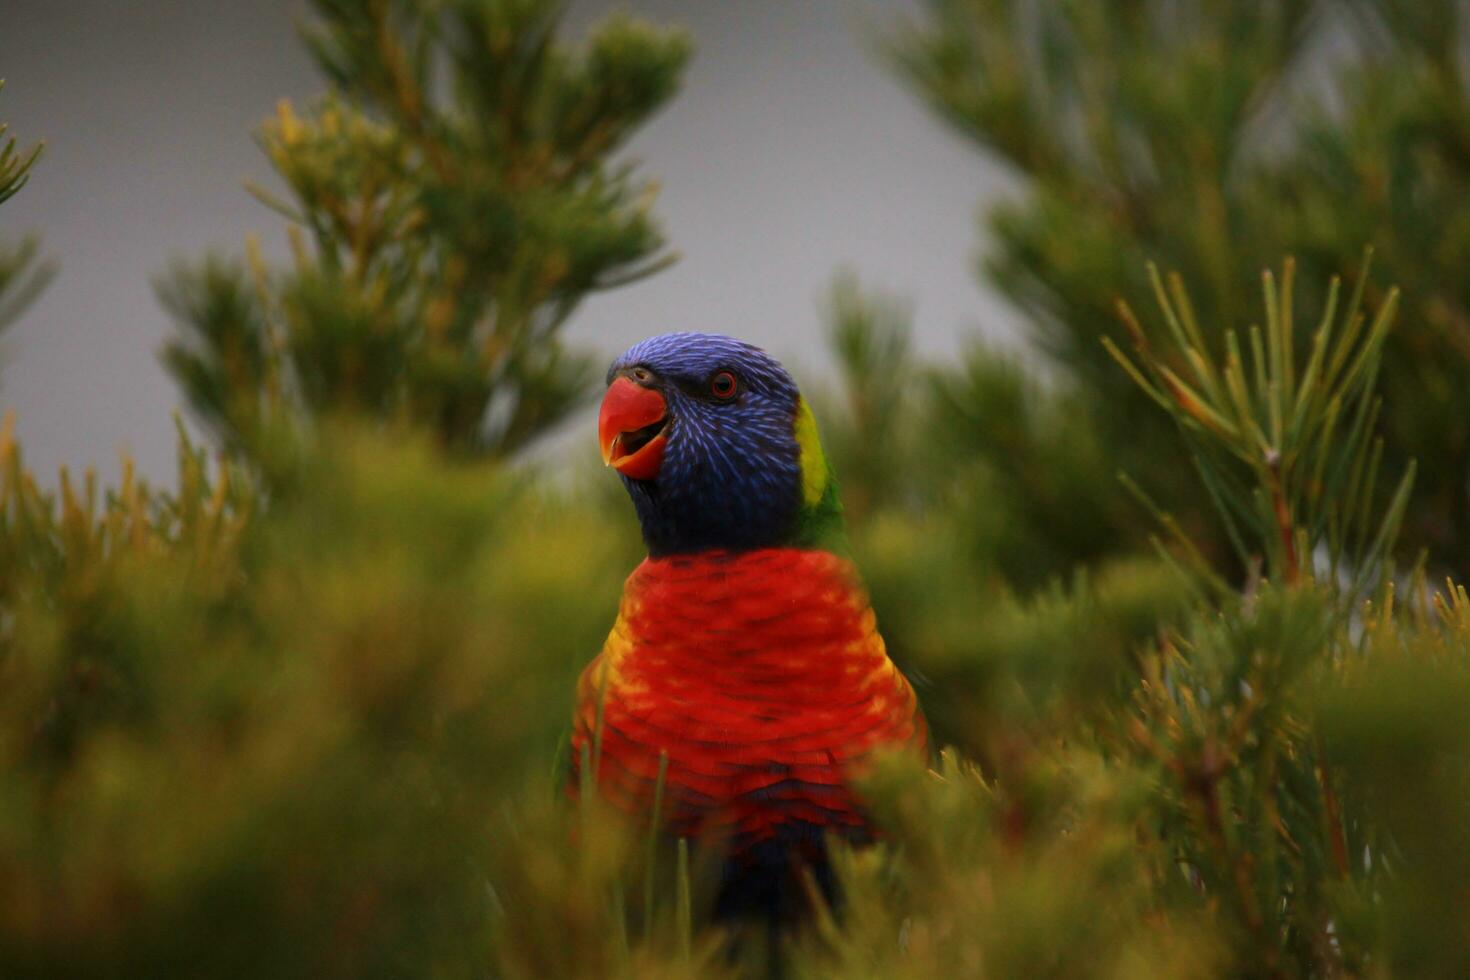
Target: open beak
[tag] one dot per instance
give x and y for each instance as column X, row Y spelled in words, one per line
column 632, row 429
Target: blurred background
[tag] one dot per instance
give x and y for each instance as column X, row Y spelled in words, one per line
column 786, row 156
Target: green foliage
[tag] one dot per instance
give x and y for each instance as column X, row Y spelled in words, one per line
column 616, row 904
column 222, row 725
column 15, row 166
column 983, row 882
column 1212, row 137
column 1171, row 786
column 1266, row 440
column 1392, row 172
column 304, row 714
column 1275, row 798
column 977, row 450
column 22, row 274
column 1245, row 799
column 1393, row 718
column 451, row 203
column 866, row 424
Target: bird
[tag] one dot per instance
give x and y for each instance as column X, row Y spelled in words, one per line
column 744, row 683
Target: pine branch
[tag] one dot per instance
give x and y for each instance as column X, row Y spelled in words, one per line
column 1265, row 437
column 443, row 233
column 23, row 274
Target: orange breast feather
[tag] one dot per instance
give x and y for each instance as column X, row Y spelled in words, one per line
column 763, row 678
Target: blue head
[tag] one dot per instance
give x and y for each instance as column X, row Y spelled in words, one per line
column 716, row 447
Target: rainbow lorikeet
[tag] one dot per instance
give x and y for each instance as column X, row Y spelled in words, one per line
column 745, row 650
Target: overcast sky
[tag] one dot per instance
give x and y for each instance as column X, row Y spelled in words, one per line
column 789, row 154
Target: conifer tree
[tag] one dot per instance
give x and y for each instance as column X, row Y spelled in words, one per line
column 1210, row 765
column 251, row 732
column 451, row 203
column 22, row 274
column 1186, row 134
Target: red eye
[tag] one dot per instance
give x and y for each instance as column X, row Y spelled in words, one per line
column 723, row 385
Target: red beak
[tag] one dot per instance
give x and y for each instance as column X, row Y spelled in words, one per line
column 631, row 428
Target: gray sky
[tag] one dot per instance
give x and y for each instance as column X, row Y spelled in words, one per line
column 789, row 154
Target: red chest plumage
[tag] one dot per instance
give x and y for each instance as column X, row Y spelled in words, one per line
column 762, row 677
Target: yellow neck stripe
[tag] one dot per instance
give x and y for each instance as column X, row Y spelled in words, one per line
column 813, row 461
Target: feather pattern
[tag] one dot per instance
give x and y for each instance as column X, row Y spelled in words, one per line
column 745, row 652
column 732, row 475
column 763, row 677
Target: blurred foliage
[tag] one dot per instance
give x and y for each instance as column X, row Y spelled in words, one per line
column 15, row 165
column 22, row 274
column 977, row 882
column 451, row 202
column 1175, row 777
column 1212, row 137
column 1278, row 800
column 221, row 724
column 313, row 724
column 1394, row 721
column 318, row 735
column 1010, row 465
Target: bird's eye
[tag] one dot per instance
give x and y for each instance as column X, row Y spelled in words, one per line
column 723, row 385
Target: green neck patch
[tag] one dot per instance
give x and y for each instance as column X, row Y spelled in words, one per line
column 819, row 522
